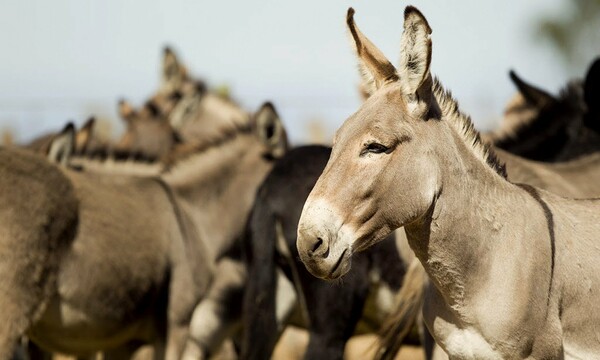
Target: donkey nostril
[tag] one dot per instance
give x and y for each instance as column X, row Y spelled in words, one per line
column 317, row 244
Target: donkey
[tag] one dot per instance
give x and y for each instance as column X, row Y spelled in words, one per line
column 148, row 134
column 152, row 131
column 198, row 110
column 499, row 291
column 110, row 293
column 209, row 316
column 182, row 110
column 299, row 170
column 543, row 127
column 273, row 223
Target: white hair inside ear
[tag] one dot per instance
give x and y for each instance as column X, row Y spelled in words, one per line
column 415, row 55
column 62, row 146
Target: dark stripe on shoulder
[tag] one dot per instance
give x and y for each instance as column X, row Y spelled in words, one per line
column 550, row 221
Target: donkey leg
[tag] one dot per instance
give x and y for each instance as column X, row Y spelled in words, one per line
column 28, row 279
column 217, row 315
column 34, row 352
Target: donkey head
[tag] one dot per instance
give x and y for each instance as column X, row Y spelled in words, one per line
column 147, row 133
column 381, row 174
column 540, row 126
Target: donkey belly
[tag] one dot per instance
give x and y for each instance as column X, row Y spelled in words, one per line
column 68, row 329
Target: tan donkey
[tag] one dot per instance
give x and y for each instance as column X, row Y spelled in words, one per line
column 514, row 268
column 138, row 251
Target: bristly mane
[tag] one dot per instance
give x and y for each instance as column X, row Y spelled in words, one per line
column 464, row 126
column 107, row 152
column 181, row 151
column 187, row 150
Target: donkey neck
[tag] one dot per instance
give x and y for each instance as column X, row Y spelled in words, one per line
column 216, row 188
column 468, row 221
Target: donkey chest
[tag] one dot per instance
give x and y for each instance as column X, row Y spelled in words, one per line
column 465, row 343
column 460, row 342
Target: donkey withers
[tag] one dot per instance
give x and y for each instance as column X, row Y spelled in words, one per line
column 513, row 267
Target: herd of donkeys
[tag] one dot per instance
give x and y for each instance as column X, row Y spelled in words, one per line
column 201, row 224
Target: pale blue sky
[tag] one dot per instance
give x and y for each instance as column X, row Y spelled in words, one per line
column 66, row 59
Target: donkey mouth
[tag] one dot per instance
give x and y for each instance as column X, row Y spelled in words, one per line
column 337, row 266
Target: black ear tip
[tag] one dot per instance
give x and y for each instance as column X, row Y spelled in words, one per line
column 410, row 10
column 167, row 50
column 69, row 128
column 516, row 79
column 268, row 105
column 350, row 15
column 90, row 122
column 122, row 101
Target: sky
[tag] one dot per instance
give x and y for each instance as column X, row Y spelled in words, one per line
column 68, row 59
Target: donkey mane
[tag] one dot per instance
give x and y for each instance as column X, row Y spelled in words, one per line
column 180, row 152
column 187, row 150
column 108, row 152
column 464, row 126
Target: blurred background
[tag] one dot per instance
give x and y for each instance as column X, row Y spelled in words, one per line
column 68, row 59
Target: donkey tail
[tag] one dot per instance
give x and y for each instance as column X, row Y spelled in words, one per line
column 259, row 320
column 408, row 305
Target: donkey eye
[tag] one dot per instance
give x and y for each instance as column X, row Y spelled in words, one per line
column 374, row 148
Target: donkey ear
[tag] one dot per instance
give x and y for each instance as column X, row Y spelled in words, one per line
column 270, row 130
column 62, row 146
column 533, row 95
column 415, row 55
column 375, row 68
column 126, row 111
column 591, row 91
column 85, row 134
column 173, row 72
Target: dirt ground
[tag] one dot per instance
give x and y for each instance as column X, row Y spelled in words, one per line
column 293, row 342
